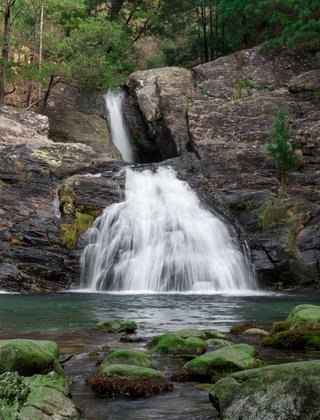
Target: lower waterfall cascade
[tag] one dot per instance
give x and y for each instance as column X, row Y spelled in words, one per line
column 161, row 239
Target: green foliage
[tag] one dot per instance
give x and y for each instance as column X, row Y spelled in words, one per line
column 281, row 147
column 69, row 232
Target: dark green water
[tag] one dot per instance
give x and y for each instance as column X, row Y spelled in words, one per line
column 153, row 313
column 68, row 317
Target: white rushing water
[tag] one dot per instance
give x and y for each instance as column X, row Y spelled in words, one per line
column 56, row 205
column 119, row 132
column 160, row 239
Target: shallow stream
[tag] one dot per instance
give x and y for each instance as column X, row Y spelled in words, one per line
column 68, row 318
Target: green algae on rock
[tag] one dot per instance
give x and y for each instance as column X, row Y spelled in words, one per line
column 305, row 316
column 29, row 357
column 171, row 343
column 129, row 357
column 36, row 397
column 128, row 380
column 289, row 390
column 222, row 361
column 117, row 325
column 190, row 332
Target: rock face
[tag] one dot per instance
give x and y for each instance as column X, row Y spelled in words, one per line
column 226, row 117
column 34, row 254
column 284, row 391
column 161, row 98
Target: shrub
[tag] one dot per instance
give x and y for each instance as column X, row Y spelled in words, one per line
column 281, row 147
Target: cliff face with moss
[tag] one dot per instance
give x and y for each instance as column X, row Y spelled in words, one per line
column 223, row 114
column 38, row 250
column 211, row 125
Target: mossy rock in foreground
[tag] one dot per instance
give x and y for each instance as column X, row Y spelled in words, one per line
column 171, row 343
column 223, row 361
column 117, row 325
column 129, row 357
column 29, row 357
column 285, row 391
column 305, row 316
column 36, row 397
column 294, row 340
column 128, row 380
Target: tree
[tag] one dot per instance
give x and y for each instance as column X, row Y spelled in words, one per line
column 281, row 147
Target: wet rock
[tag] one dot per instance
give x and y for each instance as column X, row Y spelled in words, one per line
column 215, row 334
column 273, row 392
column 117, row 325
column 192, row 332
column 128, row 380
column 173, row 344
column 36, row 397
column 305, row 316
column 162, row 98
column 255, row 332
column 69, row 126
column 224, row 360
column 129, row 357
column 29, row 357
column 217, row 343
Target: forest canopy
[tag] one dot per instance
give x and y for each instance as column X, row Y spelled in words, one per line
column 95, row 43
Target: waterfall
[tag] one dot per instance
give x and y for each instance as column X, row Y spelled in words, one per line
column 119, row 132
column 56, row 205
column 161, row 239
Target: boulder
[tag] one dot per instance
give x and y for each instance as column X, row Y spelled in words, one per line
column 128, row 380
column 69, row 126
column 128, row 357
column 222, row 361
column 305, row 82
column 29, row 357
column 215, row 334
column 42, row 397
column 284, row 391
column 217, row 343
column 173, row 344
column 255, row 332
column 305, row 316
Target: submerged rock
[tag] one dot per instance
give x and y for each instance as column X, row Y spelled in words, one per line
column 29, row 357
column 117, row 325
column 286, row 391
column 171, row 343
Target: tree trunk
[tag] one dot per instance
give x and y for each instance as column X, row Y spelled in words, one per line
column 5, row 48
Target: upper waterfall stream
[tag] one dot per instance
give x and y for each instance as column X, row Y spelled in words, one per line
column 160, row 239
column 119, row 132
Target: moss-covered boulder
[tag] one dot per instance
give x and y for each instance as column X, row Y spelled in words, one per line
column 128, row 380
column 223, row 361
column 171, row 343
column 37, row 397
column 215, row 334
column 129, row 357
column 117, row 325
column 191, row 332
column 305, row 316
column 286, row 391
column 29, row 357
